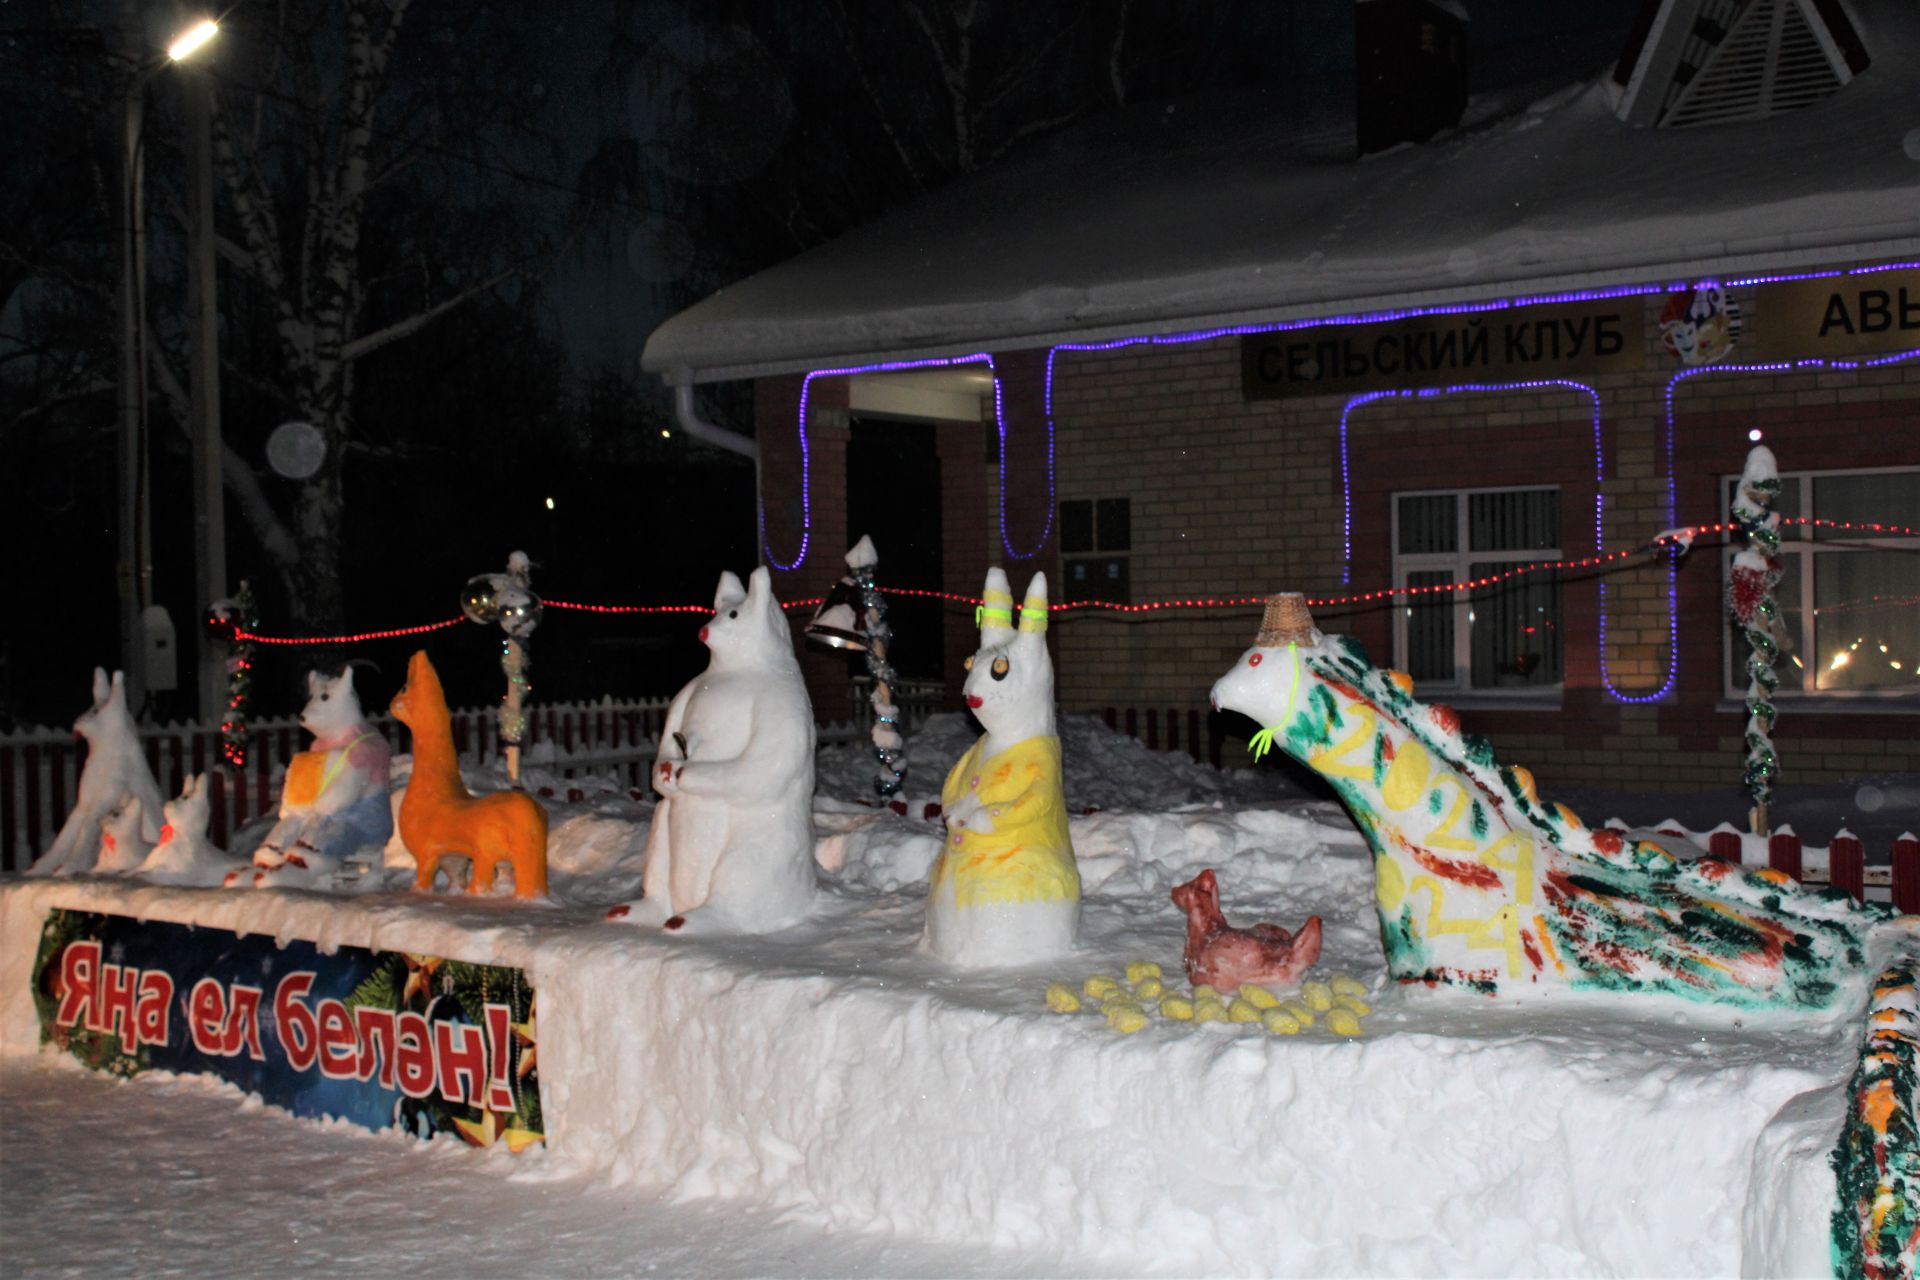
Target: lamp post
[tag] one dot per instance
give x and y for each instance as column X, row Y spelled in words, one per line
column 209, row 504
column 135, row 575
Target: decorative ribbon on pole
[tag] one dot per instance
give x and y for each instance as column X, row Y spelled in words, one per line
column 1756, row 571
column 234, row 621
column 889, row 748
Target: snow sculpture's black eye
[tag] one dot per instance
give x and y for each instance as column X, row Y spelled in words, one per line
column 1000, row 668
column 968, row 664
column 733, row 613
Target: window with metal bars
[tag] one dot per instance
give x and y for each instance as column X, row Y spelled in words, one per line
column 1505, row 635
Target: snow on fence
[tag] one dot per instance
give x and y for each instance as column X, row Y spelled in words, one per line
column 40, row 768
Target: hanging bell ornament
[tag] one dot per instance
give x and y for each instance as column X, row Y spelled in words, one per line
column 519, row 611
column 480, row 598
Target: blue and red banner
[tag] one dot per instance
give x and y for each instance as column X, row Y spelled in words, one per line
column 385, row 1039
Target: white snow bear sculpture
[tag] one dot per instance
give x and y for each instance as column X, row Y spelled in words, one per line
column 1006, row 889
column 116, row 769
column 732, row 835
column 334, row 800
column 183, row 855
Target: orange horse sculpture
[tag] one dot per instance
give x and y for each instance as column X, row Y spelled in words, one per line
column 439, row 816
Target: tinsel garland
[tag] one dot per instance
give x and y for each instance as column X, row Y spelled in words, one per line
column 1756, row 571
column 243, row 619
column 889, row 748
column 513, row 711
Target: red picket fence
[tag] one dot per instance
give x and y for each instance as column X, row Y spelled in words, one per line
column 40, row 769
column 1171, row 729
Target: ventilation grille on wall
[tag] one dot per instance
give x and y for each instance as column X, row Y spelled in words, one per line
column 1698, row 62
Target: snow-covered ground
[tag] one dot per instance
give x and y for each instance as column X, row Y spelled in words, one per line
column 828, row 1100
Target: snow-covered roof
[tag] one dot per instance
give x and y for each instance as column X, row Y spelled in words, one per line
column 1167, row 220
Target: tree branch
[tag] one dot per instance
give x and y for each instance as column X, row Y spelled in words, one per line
column 370, row 342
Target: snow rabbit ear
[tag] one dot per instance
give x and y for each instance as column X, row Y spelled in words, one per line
column 996, row 609
column 313, row 683
column 729, row 593
column 101, row 689
column 1033, row 610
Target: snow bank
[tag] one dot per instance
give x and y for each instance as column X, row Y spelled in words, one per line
column 835, row 1076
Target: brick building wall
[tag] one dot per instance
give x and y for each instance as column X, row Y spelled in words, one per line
column 1232, row 497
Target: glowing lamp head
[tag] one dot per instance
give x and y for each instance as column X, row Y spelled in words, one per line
column 1754, row 435
column 194, row 40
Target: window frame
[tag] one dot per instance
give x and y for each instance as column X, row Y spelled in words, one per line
column 1799, row 548
column 1458, row 562
column 1097, row 554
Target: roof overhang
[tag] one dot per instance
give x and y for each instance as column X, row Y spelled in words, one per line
column 1683, row 264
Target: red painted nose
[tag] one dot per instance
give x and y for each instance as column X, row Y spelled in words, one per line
column 975, row 702
column 703, row 634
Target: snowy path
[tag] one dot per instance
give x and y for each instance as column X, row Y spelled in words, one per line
column 160, row 1177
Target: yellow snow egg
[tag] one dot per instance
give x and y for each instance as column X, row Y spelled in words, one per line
column 1060, row 999
column 1342, row 985
column 1097, row 986
column 1140, row 970
column 1342, row 1022
column 1352, row 1004
column 1209, row 1009
column 1257, row 996
column 1201, row 991
column 1318, row 995
column 1280, row 1023
column 1126, row 1019
column 1300, row 1012
column 1176, row 1008
column 1149, row 988
column 1242, row 1011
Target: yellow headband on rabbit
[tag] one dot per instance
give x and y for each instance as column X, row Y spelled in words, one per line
column 995, row 611
column 1033, row 614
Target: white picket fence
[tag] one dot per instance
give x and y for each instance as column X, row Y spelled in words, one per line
column 40, row 767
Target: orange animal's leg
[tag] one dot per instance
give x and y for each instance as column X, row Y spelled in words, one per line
column 427, row 863
column 529, row 873
column 486, row 864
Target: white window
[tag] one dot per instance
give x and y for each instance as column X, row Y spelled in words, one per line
column 1502, row 636
column 1861, row 638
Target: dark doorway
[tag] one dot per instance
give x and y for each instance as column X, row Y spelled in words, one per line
column 893, row 497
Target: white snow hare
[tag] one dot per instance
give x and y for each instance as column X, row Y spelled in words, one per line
column 732, row 836
column 334, row 800
column 1005, row 889
column 183, row 855
column 116, row 768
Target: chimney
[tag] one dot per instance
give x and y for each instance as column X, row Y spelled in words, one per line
column 1410, row 70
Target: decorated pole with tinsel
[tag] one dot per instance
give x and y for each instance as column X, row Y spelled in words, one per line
column 508, row 599
column 233, row 621
column 889, row 748
column 1756, row 571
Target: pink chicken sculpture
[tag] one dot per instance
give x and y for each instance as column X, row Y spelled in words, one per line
column 1223, row 957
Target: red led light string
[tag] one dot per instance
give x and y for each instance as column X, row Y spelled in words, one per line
column 1678, row 537
column 355, row 638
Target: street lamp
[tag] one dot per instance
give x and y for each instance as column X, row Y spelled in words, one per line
column 136, row 518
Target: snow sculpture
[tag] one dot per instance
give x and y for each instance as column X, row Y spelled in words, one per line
column 440, row 817
column 183, row 855
column 116, row 769
column 1005, row 888
column 123, row 841
column 1480, row 884
column 1223, row 957
column 732, row 836
column 334, row 800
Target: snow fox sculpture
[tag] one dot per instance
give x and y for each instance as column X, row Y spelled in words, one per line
column 732, row 835
column 440, row 817
column 116, row 769
column 334, row 800
column 183, row 855
column 1480, row 884
column 1006, row 889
